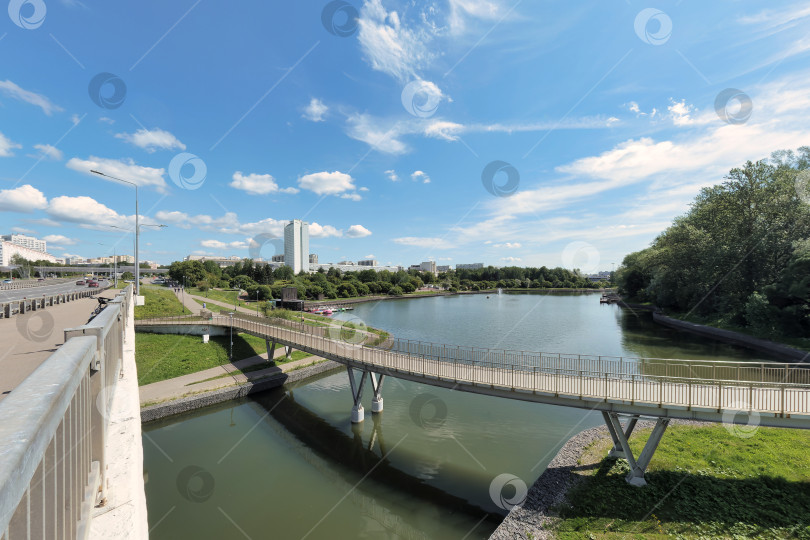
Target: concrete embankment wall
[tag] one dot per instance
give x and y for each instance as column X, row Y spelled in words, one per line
column 736, row 338
column 190, row 403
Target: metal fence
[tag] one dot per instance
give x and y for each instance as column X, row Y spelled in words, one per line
column 781, row 388
column 53, row 430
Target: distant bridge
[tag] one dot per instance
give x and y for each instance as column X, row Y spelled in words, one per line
column 762, row 393
column 97, row 269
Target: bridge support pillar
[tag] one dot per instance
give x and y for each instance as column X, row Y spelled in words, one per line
column 271, row 349
column 377, row 400
column 287, row 351
column 358, row 414
column 617, row 451
column 637, row 466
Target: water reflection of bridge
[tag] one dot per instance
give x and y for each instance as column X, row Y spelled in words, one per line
column 767, row 393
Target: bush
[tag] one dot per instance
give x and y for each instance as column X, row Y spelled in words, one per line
column 203, row 285
column 396, row 290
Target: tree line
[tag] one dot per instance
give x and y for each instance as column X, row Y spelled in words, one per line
column 740, row 254
column 264, row 282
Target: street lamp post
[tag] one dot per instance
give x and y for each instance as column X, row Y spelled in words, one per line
column 137, row 229
column 137, row 262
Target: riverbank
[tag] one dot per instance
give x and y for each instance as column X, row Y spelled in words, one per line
column 236, row 389
column 716, row 481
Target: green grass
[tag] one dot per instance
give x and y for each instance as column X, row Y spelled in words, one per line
column 296, row 355
column 159, row 302
column 165, row 356
column 719, row 321
column 703, row 482
column 226, row 297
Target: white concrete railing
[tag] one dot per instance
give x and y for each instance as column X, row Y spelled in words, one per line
column 781, row 389
column 24, row 305
column 53, row 432
column 29, row 283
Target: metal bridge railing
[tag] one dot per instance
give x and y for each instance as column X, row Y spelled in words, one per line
column 782, row 388
column 53, row 430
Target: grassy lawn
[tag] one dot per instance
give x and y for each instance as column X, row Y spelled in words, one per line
column 159, row 302
column 165, row 356
column 703, row 482
column 723, row 323
column 227, row 297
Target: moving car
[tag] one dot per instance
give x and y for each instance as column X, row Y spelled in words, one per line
column 93, row 284
column 80, row 282
column 8, row 281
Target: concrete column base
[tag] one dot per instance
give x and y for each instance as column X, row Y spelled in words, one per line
column 358, row 414
column 377, row 405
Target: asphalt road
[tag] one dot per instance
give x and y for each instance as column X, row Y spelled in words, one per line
column 46, row 289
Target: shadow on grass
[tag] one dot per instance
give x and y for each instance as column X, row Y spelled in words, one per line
column 758, row 505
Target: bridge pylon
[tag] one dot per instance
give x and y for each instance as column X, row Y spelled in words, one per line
column 358, row 413
column 620, row 436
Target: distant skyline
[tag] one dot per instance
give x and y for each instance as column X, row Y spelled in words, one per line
column 460, row 131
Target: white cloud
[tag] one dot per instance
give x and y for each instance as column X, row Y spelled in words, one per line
column 75, row 118
column 424, row 242
column 48, row 151
column 323, row 231
column 106, row 120
column 126, row 169
column 416, row 176
column 151, row 140
column 352, row 196
column 369, row 256
column 7, row 146
column 381, row 134
column 23, row 230
column 59, row 239
column 680, row 112
column 12, row 90
column 358, row 231
column 509, row 245
column 511, row 259
column 327, row 183
column 217, row 244
column 86, row 211
column 258, row 184
column 25, row 198
column 315, row 111
column 392, row 175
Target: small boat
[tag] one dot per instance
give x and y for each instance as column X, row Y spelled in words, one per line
column 326, row 311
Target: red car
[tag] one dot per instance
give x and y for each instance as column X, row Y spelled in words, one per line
column 93, row 284
column 80, row 282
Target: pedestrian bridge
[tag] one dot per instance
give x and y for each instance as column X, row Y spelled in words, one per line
column 751, row 393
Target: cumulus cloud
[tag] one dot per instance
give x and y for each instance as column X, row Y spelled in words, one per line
column 25, row 198
column 417, row 176
column 357, row 231
column 12, row 90
column 258, row 184
column 7, row 146
column 59, row 240
column 327, row 183
column 217, row 244
column 509, row 245
column 392, row 175
column 151, row 140
column 424, row 242
column 323, row 231
column 84, row 210
column 315, row 111
column 511, row 259
column 46, row 151
column 126, row 169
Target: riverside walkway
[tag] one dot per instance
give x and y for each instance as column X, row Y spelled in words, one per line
column 765, row 393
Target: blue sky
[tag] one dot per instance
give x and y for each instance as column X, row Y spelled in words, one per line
column 375, row 120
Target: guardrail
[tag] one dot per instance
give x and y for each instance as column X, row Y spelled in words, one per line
column 24, row 305
column 53, row 430
column 27, row 284
column 773, row 387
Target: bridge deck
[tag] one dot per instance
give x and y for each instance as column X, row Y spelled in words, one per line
column 768, row 393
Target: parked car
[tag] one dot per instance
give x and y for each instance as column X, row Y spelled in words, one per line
column 80, row 282
column 41, row 279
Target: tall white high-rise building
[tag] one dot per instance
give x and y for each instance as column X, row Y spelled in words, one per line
column 296, row 245
column 25, row 241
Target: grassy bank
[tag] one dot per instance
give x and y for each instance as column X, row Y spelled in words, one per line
column 703, row 482
column 723, row 323
column 165, row 356
column 159, row 302
column 227, row 297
